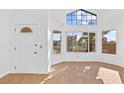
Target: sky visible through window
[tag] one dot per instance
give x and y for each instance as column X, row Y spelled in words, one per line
column 56, row 37
column 111, row 36
column 81, row 17
column 78, row 35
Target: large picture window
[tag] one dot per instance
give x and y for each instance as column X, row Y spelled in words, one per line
column 92, row 42
column 109, row 42
column 80, row 42
column 56, row 42
column 81, row 17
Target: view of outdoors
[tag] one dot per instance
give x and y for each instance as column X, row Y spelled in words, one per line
column 70, row 37
column 92, row 42
column 81, row 17
column 109, row 42
column 56, row 42
column 80, row 42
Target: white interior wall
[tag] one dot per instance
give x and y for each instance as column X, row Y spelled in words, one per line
column 59, row 21
column 106, row 20
column 38, row 17
column 4, row 42
column 114, row 19
column 55, row 20
column 77, row 56
column 54, row 24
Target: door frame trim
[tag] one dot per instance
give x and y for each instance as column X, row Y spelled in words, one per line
column 14, row 71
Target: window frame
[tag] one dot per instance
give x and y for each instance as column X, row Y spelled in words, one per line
column 77, row 22
column 116, row 43
column 60, row 42
column 88, row 42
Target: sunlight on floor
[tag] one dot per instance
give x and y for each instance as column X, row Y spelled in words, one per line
column 109, row 76
column 54, row 72
column 86, row 68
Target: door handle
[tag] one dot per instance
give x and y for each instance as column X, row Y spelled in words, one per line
column 35, row 44
column 35, row 52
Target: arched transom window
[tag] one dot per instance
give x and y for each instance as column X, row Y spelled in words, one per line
column 26, row 29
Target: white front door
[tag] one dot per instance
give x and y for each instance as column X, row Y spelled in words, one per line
column 26, row 49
